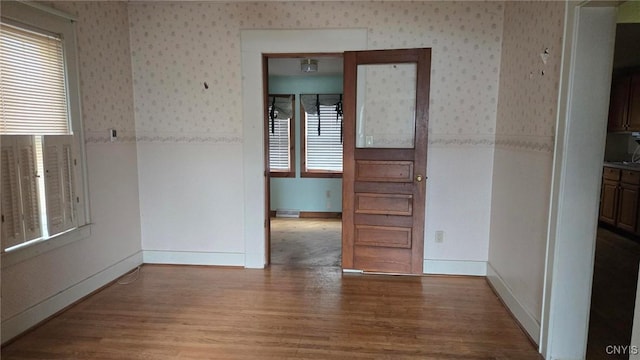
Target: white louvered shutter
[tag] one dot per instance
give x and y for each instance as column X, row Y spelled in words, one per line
column 12, row 230
column 29, row 187
column 59, row 183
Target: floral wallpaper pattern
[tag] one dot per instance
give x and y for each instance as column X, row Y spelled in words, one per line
column 529, row 78
column 174, row 48
column 177, row 47
column 105, row 68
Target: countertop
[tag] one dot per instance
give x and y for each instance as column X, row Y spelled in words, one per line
column 625, row 165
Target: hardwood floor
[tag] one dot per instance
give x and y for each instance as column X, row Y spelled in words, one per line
column 615, row 277
column 299, row 242
column 194, row 312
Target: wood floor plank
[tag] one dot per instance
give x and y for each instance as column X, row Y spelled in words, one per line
column 182, row 312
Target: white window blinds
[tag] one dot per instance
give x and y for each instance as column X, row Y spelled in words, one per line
column 279, row 145
column 324, row 140
column 33, row 100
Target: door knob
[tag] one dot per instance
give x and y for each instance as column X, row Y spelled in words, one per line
column 419, row 178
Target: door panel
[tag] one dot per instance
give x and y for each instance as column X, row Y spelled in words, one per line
column 383, row 259
column 384, row 171
column 384, row 204
column 627, row 207
column 608, row 202
column 383, row 236
column 386, row 100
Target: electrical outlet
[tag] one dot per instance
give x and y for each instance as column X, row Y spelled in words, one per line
column 439, row 236
column 328, row 194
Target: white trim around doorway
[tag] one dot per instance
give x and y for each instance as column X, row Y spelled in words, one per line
column 579, row 151
column 254, row 44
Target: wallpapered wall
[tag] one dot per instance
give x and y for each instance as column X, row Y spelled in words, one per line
column 176, row 47
column 528, row 99
column 523, row 158
column 35, row 289
column 105, row 68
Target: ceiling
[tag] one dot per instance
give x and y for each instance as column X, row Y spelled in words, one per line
column 291, row 66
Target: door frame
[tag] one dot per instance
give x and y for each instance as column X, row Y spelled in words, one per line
column 255, row 43
column 267, row 174
column 583, row 105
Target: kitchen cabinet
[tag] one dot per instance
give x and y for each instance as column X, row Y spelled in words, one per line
column 619, row 103
column 609, row 195
column 609, row 202
column 634, row 103
column 619, row 198
column 624, row 102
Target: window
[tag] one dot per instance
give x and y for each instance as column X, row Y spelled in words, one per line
column 322, row 140
column 281, row 135
column 42, row 169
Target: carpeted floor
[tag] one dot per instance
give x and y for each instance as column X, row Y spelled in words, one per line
column 306, row 242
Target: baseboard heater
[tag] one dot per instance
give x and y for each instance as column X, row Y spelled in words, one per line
column 284, row 213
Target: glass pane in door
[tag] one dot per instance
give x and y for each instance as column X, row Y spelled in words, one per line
column 386, row 105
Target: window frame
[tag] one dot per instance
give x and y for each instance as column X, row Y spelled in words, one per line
column 291, row 172
column 304, row 172
column 37, row 16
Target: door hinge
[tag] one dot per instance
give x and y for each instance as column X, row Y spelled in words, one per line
column 2, row 217
column 265, row 223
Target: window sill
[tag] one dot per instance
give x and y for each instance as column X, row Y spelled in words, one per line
column 282, row 174
column 321, row 174
column 43, row 246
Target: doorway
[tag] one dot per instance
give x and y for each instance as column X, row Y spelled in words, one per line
column 583, row 107
column 383, row 137
column 303, row 127
column 617, row 251
column 255, row 43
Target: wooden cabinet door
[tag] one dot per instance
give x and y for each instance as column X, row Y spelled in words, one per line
column 619, row 103
column 609, row 202
column 628, row 207
column 634, row 104
column 384, row 191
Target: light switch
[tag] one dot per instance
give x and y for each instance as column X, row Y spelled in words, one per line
column 369, row 140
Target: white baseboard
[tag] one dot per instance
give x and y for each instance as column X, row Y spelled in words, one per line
column 193, row 258
column 27, row 319
column 524, row 317
column 455, row 267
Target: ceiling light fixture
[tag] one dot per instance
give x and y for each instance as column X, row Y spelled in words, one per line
column 309, row 65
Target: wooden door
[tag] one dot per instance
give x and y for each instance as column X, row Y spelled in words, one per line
column 386, row 110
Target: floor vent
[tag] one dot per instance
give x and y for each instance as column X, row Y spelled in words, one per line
column 282, row 213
